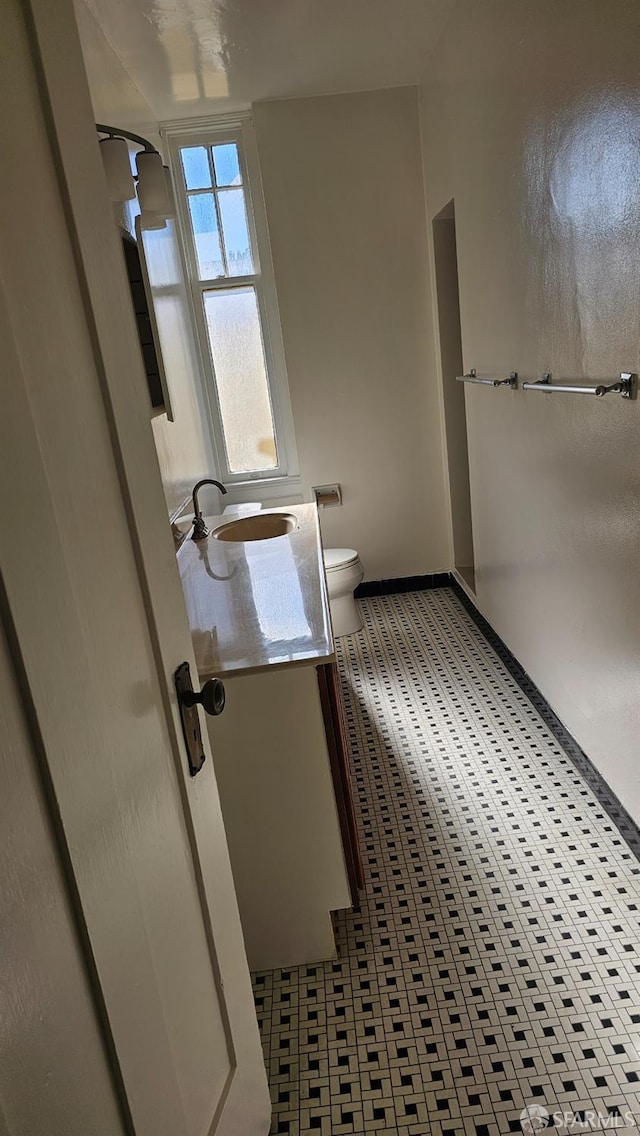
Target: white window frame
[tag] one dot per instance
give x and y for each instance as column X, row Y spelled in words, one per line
column 284, row 478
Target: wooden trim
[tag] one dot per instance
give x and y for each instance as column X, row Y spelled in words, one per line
column 338, row 756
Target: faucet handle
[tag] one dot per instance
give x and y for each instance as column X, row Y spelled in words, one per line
column 200, row 530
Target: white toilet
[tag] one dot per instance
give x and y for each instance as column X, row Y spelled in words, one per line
column 344, row 572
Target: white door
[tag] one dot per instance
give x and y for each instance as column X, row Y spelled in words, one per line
column 52, row 1050
column 98, row 627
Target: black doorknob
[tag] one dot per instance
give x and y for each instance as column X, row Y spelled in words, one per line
column 211, row 697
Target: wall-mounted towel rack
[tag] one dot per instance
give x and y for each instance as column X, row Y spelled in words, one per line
column 472, row 377
column 625, row 386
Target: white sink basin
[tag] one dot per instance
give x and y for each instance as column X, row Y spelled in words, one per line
column 262, row 526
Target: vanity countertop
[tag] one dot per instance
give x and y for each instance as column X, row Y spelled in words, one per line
column 257, row 605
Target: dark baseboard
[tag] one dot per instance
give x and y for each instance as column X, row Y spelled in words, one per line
column 625, row 824
column 402, row 584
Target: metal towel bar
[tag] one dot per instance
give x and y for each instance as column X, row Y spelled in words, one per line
column 625, row 386
column 512, row 381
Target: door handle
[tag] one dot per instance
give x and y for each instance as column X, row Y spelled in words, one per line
column 211, row 698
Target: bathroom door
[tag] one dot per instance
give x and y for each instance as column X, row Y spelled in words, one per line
column 96, row 624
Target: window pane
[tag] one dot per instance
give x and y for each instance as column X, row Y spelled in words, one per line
column 241, row 379
column 207, row 238
column 227, row 166
column 195, row 163
column 235, row 231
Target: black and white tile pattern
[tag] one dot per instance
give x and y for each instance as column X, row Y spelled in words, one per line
column 494, row 962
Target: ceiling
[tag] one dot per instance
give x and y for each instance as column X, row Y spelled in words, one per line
column 189, row 58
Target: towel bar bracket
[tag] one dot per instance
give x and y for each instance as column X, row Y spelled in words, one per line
column 626, row 385
column 472, row 377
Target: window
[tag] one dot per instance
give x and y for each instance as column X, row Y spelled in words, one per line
column 234, row 302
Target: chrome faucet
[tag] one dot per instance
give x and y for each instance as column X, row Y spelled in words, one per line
column 200, row 530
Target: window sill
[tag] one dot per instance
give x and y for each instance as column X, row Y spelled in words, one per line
column 265, row 490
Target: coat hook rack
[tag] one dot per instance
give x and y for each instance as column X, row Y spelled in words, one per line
column 625, row 385
column 471, row 377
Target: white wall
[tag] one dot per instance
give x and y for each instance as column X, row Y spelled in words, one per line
column 531, row 121
column 344, row 195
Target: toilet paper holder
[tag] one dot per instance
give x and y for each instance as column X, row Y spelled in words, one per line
column 325, row 496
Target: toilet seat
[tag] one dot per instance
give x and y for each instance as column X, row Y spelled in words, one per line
column 337, row 558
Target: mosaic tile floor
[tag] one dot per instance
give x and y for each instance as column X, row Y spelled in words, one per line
column 494, row 962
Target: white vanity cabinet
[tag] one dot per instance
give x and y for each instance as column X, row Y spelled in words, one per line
column 260, row 621
column 280, row 813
